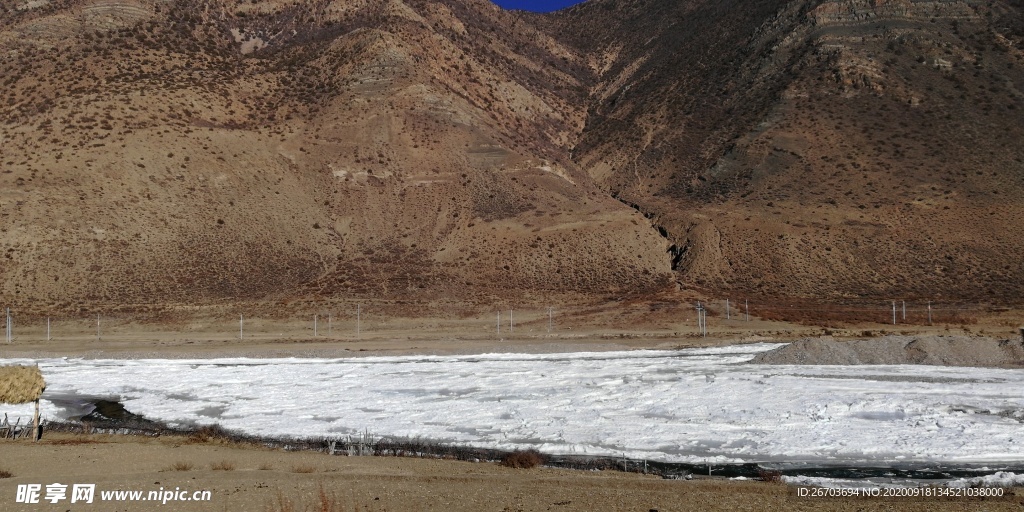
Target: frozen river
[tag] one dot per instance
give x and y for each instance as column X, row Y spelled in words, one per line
column 674, row 406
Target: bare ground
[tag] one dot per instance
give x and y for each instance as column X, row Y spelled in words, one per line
column 246, row 477
column 919, row 349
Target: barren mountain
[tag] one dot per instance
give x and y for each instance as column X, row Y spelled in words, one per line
column 216, row 150
column 815, row 148
column 193, row 151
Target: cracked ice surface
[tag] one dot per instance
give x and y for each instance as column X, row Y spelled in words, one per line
column 675, row 406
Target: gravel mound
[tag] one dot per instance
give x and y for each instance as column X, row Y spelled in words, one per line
column 930, row 350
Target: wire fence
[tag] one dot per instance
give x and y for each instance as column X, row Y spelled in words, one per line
column 359, row 322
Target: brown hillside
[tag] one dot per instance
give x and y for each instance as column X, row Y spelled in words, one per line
column 195, row 151
column 815, row 148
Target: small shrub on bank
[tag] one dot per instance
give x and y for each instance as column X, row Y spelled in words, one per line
column 523, row 459
column 182, row 466
column 208, row 433
column 5, row 474
column 224, row 465
column 303, row 468
column 770, row 476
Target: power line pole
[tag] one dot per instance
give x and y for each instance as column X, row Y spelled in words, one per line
column 702, row 320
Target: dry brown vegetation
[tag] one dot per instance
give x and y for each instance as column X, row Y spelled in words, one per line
column 523, row 459
column 178, row 153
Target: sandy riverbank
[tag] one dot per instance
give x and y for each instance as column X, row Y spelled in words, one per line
column 255, row 478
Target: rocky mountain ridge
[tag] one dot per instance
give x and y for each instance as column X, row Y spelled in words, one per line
column 217, row 150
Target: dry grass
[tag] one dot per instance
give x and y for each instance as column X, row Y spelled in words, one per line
column 770, row 476
column 5, row 474
column 20, row 384
column 208, row 433
column 266, row 466
column 324, row 503
column 74, row 441
column 303, row 468
column 523, row 459
column 182, row 466
column 224, row 465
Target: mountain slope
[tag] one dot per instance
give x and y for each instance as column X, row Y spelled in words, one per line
column 815, row 148
column 198, row 151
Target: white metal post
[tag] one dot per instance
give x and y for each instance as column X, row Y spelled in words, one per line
column 314, row 326
column 7, row 329
column 328, row 325
column 727, row 317
column 904, row 311
column 98, row 327
column 549, row 318
column 241, row 321
column 510, row 321
column 359, row 319
column 47, row 328
column 929, row 312
column 499, row 322
column 746, row 304
column 894, row 312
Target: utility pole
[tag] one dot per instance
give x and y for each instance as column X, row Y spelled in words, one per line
column 929, row 312
column 894, row 312
column 510, row 328
column 746, row 304
column 47, row 328
column 314, row 325
column 904, row 311
column 328, row 325
column 702, row 320
column 98, row 327
column 727, row 317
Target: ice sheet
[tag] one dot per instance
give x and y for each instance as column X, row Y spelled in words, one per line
column 675, row 406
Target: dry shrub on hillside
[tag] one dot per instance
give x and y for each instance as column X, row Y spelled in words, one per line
column 523, row 459
column 5, row 474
